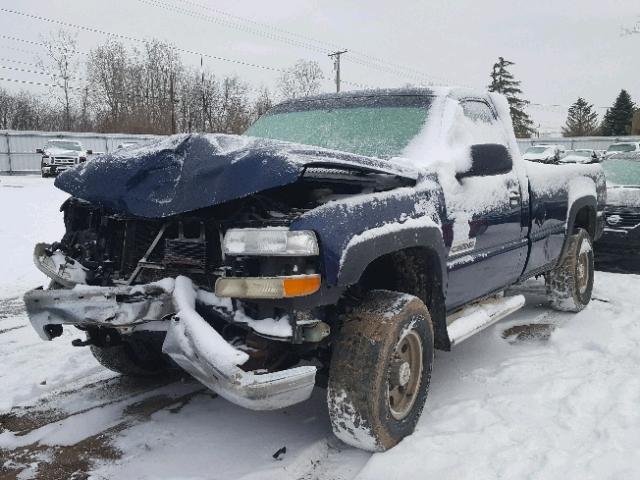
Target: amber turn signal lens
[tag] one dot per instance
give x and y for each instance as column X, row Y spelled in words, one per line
column 300, row 286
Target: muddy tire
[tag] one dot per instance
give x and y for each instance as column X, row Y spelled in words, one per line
column 139, row 357
column 380, row 370
column 570, row 284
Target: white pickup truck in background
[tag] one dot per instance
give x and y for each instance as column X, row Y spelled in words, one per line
column 58, row 155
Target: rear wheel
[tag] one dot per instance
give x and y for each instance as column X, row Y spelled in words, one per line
column 380, row 370
column 570, row 284
column 139, row 357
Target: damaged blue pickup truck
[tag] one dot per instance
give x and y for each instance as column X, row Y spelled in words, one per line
column 337, row 243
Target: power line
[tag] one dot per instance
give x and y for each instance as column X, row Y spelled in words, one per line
column 21, row 50
column 326, row 45
column 32, row 42
column 40, row 84
column 361, row 59
column 137, row 40
column 41, row 72
column 212, row 19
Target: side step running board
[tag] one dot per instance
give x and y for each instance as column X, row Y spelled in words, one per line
column 476, row 317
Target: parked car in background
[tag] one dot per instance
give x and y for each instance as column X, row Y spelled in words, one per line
column 59, row 155
column 544, row 153
column 622, row 147
column 126, row 144
column 581, row 155
column 622, row 211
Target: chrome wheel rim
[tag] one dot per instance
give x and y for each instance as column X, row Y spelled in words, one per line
column 582, row 273
column 404, row 375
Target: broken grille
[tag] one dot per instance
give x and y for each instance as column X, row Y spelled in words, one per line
column 622, row 217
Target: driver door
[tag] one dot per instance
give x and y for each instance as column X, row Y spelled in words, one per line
column 488, row 238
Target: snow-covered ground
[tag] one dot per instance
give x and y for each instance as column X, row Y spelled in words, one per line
column 561, row 400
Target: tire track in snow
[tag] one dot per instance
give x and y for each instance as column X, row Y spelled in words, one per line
column 58, row 444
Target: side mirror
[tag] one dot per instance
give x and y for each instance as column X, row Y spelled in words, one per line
column 39, row 150
column 89, row 152
column 488, row 159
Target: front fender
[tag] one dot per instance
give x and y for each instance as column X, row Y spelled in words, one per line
column 356, row 230
column 363, row 249
column 587, row 201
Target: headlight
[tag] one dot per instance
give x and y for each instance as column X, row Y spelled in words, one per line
column 269, row 241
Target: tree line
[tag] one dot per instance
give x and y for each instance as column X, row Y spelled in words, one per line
column 148, row 89
column 622, row 118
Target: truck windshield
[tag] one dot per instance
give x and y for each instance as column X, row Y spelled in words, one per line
column 622, row 171
column 622, row 147
column 536, row 149
column 64, row 145
column 375, row 126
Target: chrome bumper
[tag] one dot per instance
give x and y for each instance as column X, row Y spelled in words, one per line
column 152, row 307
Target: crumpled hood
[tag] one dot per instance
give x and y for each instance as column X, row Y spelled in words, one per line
column 186, row 172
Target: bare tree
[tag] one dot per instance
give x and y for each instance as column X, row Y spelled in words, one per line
column 7, row 103
column 107, row 68
column 263, row 103
column 62, row 62
column 301, row 80
column 134, row 90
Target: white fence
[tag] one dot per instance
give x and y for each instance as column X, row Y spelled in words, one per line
column 572, row 143
column 18, row 148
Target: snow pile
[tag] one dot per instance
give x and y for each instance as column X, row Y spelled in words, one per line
column 29, row 212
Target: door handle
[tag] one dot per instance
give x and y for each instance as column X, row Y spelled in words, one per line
column 514, row 198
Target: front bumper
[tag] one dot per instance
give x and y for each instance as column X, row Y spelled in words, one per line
column 189, row 344
column 54, row 169
column 619, row 240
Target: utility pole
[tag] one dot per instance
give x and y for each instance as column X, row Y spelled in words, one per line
column 173, row 104
column 204, row 127
column 336, row 66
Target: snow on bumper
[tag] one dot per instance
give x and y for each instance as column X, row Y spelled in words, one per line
column 190, row 341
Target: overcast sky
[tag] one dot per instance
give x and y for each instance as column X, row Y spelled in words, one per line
column 563, row 48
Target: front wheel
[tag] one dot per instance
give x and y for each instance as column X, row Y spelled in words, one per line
column 570, row 284
column 137, row 357
column 380, row 370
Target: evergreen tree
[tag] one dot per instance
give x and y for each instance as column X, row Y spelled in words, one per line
column 502, row 81
column 581, row 120
column 617, row 120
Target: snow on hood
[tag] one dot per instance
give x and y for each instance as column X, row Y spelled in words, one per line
column 186, row 172
column 623, row 196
